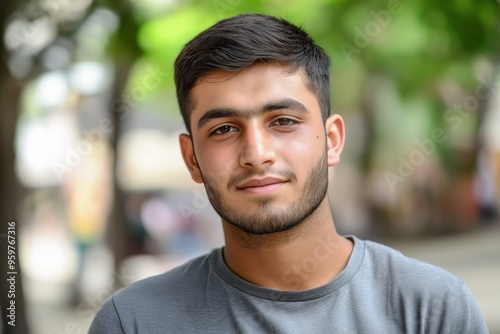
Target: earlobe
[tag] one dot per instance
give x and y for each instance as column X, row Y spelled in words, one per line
column 189, row 157
column 335, row 135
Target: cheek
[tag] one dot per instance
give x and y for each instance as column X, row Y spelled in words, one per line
column 215, row 164
column 302, row 147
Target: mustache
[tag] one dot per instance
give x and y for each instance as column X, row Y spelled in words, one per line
column 275, row 172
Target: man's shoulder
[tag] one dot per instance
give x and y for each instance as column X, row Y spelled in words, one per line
column 407, row 272
column 169, row 285
column 413, row 290
column 168, row 297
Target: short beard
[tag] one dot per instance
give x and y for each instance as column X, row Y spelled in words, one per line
column 268, row 219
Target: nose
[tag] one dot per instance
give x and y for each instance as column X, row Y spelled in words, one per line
column 257, row 148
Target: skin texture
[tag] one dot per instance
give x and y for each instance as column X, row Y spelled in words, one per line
column 262, row 150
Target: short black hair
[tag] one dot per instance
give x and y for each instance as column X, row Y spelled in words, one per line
column 239, row 42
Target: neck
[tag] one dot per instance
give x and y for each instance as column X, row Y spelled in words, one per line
column 307, row 256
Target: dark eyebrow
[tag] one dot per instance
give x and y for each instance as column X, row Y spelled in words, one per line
column 231, row 112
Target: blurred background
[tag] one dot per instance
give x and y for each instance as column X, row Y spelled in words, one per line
column 92, row 176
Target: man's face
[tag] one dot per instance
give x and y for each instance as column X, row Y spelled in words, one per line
column 259, row 145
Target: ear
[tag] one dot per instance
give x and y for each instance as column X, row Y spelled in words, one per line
column 189, row 157
column 335, row 137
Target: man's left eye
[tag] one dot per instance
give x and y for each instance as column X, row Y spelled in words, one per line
column 284, row 122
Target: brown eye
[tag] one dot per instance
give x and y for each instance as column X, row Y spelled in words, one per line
column 284, row 122
column 223, row 129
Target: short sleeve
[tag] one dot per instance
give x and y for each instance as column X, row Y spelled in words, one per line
column 107, row 320
column 459, row 313
column 468, row 317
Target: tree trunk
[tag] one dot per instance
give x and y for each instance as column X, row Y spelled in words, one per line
column 117, row 229
column 10, row 191
column 125, row 52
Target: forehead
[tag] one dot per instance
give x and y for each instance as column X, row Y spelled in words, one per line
column 250, row 88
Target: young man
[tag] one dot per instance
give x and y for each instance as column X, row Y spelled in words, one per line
column 254, row 93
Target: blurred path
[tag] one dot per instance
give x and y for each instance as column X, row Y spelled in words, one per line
column 474, row 257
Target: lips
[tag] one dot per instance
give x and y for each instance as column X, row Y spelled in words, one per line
column 261, row 186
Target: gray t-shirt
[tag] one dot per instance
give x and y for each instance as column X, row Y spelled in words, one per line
column 379, row 291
